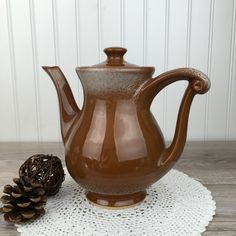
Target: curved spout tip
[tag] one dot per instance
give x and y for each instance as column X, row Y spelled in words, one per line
column 46, row 68
column 49, row 67
column 52, row 70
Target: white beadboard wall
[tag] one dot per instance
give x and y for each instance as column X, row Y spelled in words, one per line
column 164, row 33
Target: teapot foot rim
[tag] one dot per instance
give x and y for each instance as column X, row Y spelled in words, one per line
column 116, row 201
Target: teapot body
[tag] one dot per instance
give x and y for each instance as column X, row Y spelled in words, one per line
column 114, row 147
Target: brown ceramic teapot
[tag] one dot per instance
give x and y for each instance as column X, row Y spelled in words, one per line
column 114, row 147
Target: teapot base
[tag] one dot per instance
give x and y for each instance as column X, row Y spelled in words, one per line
column 116, row 201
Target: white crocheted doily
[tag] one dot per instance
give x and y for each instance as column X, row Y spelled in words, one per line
column 175, row 205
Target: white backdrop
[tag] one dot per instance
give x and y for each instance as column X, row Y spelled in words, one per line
column 163, row 33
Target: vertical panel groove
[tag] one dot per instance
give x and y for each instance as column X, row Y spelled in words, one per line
column 35, row 66
column 166, row 59
column 231, row 72
column 209, row 62
column 188, row 39
column 99, row 30
column 77, row 33
column 77, row 43
column 55, row 32
column 13, row 70
column 144, row 32
column 56, row 47
column 122, row 23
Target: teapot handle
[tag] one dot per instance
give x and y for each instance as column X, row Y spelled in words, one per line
column 198, row 84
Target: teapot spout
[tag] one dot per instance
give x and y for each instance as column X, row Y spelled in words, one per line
column 69, row 110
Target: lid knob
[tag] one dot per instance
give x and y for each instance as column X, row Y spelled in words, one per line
column 115, row 56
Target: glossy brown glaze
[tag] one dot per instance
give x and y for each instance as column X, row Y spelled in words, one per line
column 114, row 146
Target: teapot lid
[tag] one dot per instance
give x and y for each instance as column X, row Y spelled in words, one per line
column 115, row 61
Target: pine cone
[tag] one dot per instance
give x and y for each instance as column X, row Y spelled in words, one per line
column 24, row 201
